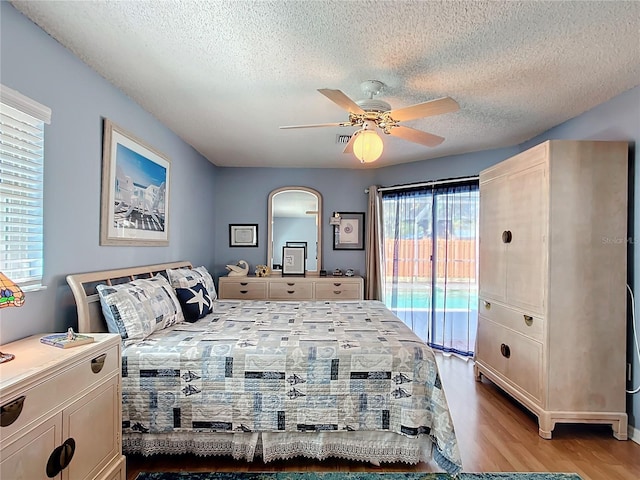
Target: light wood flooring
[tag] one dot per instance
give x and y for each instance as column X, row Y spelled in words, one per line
column 495, row 434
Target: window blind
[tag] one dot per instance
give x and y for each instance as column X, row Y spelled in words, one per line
column 21, row 187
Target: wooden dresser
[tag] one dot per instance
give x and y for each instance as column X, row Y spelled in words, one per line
column 291, row 288
column 552, row 281
column 61, row 411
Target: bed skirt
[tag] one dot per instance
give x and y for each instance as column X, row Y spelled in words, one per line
column 373, row 447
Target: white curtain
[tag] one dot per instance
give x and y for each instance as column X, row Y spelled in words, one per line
column 430, row 244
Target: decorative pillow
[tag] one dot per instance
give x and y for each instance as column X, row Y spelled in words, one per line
column 184, row 277
column 138, row 308
column 195, row 301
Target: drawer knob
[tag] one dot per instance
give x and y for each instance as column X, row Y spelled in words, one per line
column 505, row 350
column 61, row 457
column 337, row 284
column 244, row 284
column 9, row 412
column 487, row 305
column 507, row 236
column 98, row 363
column 290, row 284
column 244, row 291
column 291, row 291
column 528, row 319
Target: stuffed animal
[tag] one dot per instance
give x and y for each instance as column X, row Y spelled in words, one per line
column 262, row 270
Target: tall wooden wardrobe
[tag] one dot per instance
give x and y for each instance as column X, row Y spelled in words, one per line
column 552, row 281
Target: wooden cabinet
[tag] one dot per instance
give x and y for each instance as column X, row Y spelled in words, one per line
column 291, row 288
column 61, row 411
column 552, row 281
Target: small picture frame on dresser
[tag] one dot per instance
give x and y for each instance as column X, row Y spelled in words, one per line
column 293, row 261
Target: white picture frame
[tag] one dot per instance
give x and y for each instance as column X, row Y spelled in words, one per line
column 135, row 191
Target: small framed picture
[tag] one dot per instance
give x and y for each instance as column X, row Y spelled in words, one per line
column 293, row 260
column 349, row 233
column 243, row 235
column 298, row 244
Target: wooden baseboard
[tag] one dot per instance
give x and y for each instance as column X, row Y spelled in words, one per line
column 634, row 434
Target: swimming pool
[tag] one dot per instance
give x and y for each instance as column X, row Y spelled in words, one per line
column 448, row 322
column 421, row 299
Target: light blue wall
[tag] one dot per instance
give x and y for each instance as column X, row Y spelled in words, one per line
column 242, row 198
column 205, row 199
column 40, row 68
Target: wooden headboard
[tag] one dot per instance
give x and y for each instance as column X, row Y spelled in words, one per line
column 83, row 286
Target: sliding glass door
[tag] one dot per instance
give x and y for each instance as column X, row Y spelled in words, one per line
column 430, row 237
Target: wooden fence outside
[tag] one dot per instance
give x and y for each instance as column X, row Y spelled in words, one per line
column 414, row 258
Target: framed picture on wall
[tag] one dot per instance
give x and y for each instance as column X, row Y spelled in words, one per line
column 135, row 191
column 243, row 235
column 349, row 233
column 293, row 260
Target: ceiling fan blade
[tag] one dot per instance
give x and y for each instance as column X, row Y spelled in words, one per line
column 349, row 146
column 340, row 99
column 416, row 136
column 338, row 124
column 426, row 109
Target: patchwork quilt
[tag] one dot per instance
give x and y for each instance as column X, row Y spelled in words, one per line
column 260, row 366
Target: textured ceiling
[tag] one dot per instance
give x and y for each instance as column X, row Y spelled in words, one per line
column 224, row 75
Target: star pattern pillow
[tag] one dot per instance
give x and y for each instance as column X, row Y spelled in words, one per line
column 137, row 309
column 184, row 277
column 195, row 301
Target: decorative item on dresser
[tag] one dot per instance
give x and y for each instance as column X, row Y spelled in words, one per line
column 299, row 288
column 553, row 262
column 61, row 411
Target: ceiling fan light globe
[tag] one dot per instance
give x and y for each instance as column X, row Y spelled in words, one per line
column 367, row 146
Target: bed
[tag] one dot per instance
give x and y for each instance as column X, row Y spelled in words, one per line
column 277, row 380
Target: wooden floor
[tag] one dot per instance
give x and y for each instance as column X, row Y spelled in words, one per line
column 494, row 435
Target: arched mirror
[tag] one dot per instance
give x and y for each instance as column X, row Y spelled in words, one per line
column 295, row 218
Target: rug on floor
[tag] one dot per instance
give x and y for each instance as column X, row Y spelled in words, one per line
column 354, row 476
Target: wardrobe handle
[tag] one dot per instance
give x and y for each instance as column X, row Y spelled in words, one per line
column 487, row 305
column 528, row 319
column 98, row 363
column 61, row 457
column 505, row 350
column 9, row 412
column 507, row 236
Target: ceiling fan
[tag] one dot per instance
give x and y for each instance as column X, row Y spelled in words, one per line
column 370, row 113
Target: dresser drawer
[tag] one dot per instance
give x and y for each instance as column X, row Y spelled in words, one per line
column 528, row 325
column 291, row 290
column 516, row 357
column 243, row 290
column 53, row 392
column 338, row 290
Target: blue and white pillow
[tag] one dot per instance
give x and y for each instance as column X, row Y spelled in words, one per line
column 184, row 278
column 137, row 309
column 195, row 300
